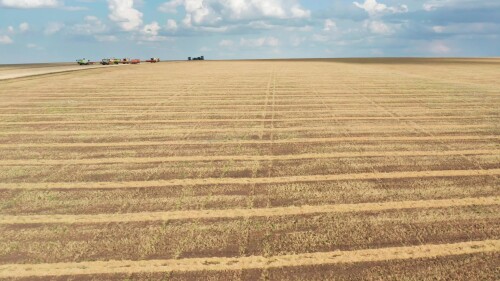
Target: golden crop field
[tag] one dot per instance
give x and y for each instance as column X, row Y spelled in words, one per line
column 373, row 169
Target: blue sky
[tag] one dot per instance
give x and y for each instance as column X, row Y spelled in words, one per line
column 64, row 30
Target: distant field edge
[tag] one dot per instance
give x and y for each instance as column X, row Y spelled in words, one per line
column 14, row 76
column 252, row 262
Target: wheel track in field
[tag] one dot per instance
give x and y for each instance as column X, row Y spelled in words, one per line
column 247, row 181
column 427, row 251
column 416, row 127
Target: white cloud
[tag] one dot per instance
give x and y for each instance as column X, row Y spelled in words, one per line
column 378, row 27
column 171, row 25
column 329, row 25
column 124, row 14
column 23, row 27
column 154, row 38
column 320, row 38
column 151, row 29
column 226, row 43
column 10, row 29
column 373, row 8
column 53, row 28
column 438, row 29
column 297, row 41
column 432, row 5
column 439, row 48
column 435, row 4
column 34, row 46
column 91, row 25
column 468, row 28
column 260, row 42
column 171, row 6
column 106, row 38
column 150, row 33
column 30, row 4
column 211, row 12
column 5, row 40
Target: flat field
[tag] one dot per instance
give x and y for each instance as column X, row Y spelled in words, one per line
column 12, row 71
column 374, row 169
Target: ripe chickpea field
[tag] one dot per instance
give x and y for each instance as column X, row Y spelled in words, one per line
column 372, row 169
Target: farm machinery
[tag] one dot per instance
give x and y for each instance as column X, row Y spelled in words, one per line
column 196, row 58
column 113, row 61
column 107, row 62
column 84, row 62
column 153, row 60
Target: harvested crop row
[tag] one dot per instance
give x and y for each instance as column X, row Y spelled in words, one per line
column 240, row 181
column 244, row 213
column 167, row 121
column 217, row 197
column 371, row 255
column 241, row 142
column 137, row 160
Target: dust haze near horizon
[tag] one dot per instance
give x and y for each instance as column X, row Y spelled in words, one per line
column 63, row 30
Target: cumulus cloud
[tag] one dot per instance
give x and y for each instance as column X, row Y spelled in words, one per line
column 329, row 25
column 5, row 40
column 106, row 38
column 378, row 27
column 23, row 27
column 91, row 25
column 171, row 25
column 150, row 33
column 53, row 28
column 260, row 42
column 124, row 14
column 439, row 48
column 30, row 4
column 226, row 43
column 373, row 8
column 151, row 29
column 212, row 12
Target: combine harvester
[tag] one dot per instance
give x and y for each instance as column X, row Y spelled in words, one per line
column 114, row 61
column 84, row 62
column 153, row 60
column 107, row 62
